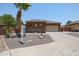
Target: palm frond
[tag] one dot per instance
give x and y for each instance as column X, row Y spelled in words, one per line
column 23, row 6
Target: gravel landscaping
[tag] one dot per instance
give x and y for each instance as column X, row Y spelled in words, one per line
column 31, row 39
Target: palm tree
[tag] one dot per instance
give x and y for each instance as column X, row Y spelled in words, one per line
column 20, row 6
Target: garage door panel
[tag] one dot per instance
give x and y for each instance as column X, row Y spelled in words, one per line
column 52, row 28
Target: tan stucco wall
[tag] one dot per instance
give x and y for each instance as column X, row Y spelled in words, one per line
column 31, row 25
column 74, row 26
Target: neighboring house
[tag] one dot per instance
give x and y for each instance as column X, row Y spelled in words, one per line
column 37, row 25
column 2, row 29
column 65, row 28
column 73, row 27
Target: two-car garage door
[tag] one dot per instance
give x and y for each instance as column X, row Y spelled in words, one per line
column 52, row 28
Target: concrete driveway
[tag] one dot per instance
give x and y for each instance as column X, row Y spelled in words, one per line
column 75, row 34
column 61, row 44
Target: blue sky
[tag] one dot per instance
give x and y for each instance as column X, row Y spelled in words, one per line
column 47, row 11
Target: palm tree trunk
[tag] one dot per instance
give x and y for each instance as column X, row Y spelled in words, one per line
column 18, row 19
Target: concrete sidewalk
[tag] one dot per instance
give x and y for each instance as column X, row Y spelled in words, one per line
column 63, row 45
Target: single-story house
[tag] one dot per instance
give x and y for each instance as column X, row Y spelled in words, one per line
column 73, row 27
column 37, row 25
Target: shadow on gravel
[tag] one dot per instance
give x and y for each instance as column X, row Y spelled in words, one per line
column 29, row 40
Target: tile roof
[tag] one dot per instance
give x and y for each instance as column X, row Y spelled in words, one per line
column 35, row 20
column 76, row 21
column 38, row 20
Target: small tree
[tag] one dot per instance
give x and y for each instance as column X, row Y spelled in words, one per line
column 68, row 22
column 8, row 20
column 0, row 19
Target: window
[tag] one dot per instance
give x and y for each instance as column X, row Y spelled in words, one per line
column 40, row 24
column 35, row 25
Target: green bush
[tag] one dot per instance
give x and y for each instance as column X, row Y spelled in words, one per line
column 7, row 32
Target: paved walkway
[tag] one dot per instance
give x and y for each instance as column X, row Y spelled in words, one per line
column 2, row 44
column 63, row 45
